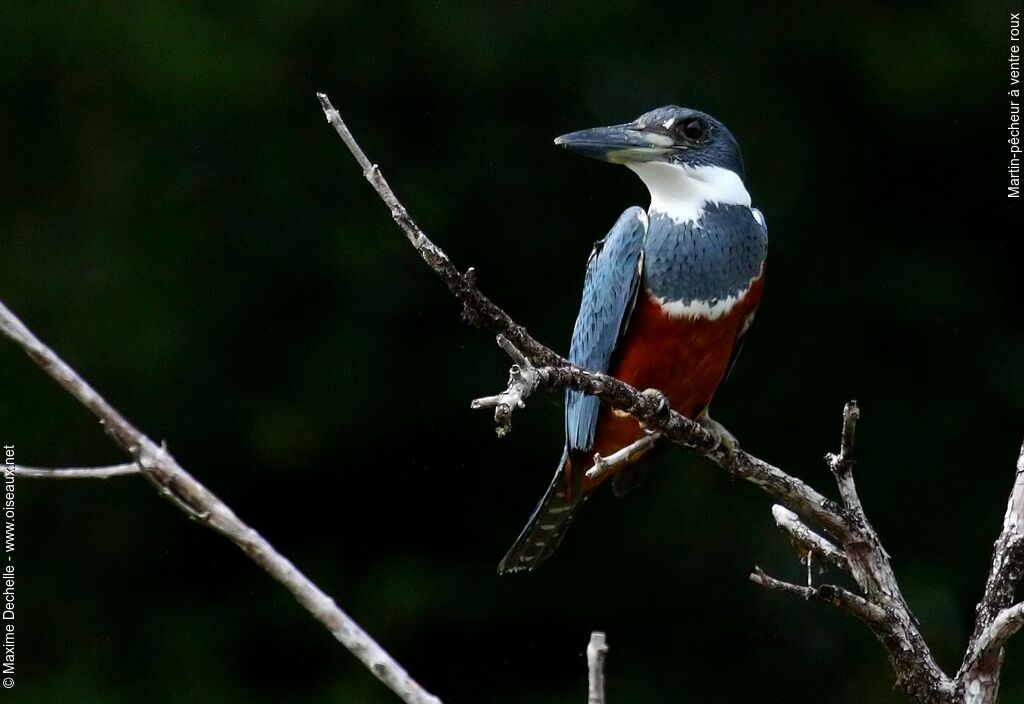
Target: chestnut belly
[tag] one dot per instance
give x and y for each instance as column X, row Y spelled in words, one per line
column 686, row 358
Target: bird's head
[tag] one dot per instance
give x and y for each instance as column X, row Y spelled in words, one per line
column 670, row 134
column 680, row 153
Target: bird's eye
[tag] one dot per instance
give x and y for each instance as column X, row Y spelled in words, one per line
column 694, row 129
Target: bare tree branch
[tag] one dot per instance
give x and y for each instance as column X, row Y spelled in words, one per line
column 984, row 658
column 117, row 470
column 157, row 465
column 597, row 651
column 917, row 673
column 1007, row 564
column 847, row 539
column 996, row 619
column 916, row 669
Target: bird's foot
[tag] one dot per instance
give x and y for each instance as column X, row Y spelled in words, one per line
column 660, row 399
column 722, row 436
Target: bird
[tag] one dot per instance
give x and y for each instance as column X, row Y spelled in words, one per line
column 668, row 296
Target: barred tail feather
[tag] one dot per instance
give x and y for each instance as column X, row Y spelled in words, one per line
column 547, row 525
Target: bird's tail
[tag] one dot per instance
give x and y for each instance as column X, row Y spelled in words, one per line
column 548, row 523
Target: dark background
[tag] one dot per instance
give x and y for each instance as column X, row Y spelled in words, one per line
column 179, row 222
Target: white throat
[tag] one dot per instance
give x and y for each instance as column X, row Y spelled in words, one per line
column 681, row 191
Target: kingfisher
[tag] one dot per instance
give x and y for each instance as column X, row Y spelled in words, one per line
column 668, row 296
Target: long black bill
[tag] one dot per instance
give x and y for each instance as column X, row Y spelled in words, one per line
column 618, row 144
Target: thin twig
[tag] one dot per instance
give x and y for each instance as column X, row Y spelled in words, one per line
column 339, row 125
column 842, row 464
column 597, row 651
column 603, row 465
column 829, row 593
column 807, row 540
column 201, row 504
column 117, row 470
column 510, row 349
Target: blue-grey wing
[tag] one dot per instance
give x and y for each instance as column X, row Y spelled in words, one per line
column 609, row 291
column 763, row 224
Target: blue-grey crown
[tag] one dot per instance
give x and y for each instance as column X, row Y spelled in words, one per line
column 714, row 146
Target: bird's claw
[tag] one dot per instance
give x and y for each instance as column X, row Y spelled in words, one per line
column 660, row 399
